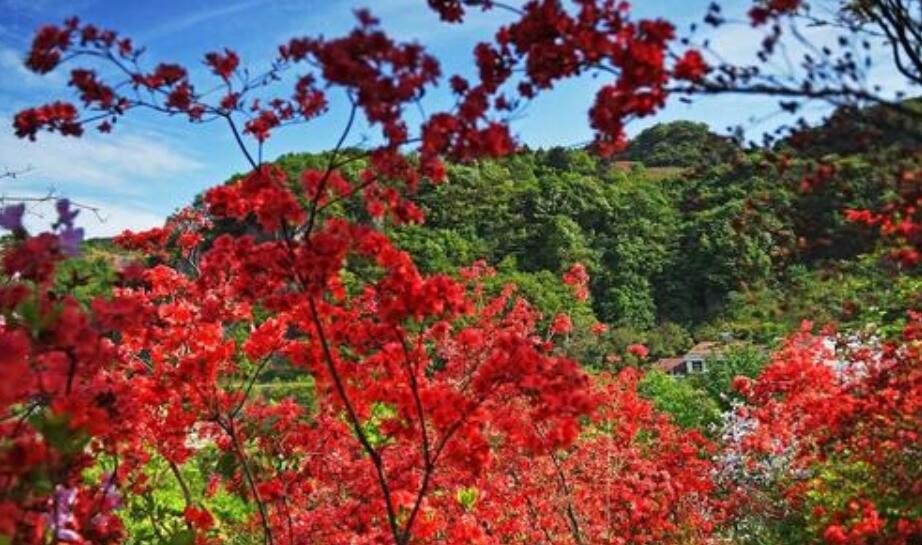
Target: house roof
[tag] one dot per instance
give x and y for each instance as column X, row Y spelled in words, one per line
column 668, row 364
column 703, row 348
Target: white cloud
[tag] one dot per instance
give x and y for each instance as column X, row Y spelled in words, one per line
column 119, row 165
column 116, row 217
column 20, row 80
column 129, row 177
column 110, row 218
column 19, row 77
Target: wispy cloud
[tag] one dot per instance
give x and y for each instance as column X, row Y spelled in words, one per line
column 115, row 217
column 194, row 19
column 20, row 18
column 122, row 165
column 19, row 78
column 404, row 20
column 41, row 6
column 411, row 20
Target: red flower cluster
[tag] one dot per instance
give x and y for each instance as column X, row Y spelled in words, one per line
column 690, row 67
column 577, row 278
column 609, row 487
column 900, row 221
column 549, row 43
column 92, row 91
column 451, row 11
column 381, row 75
column 857, row 406
column 638, row 350
column 58, row 117
column 765, row 10
column 223, row 65
column 69, row 400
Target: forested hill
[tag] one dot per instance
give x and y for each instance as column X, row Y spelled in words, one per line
column 685, row 235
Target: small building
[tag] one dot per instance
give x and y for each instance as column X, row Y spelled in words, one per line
column 692, row 362
column 672, row 366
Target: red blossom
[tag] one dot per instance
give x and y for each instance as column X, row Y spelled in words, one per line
column 198, row 517
column 261, row 125
column 92, row 91
column 561, row 325
column 223, row 65
column 690, row 66
column 47, row 47
column 578, row 279
column 771, row 9
column 61, row 117
column 638, row 350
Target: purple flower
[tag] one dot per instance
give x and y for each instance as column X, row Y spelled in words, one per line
column 69, row 240
column 64, row 498
column 112, row 498
column 65, row 214
column 11, row 216
column 65, row 534
column 62, row 514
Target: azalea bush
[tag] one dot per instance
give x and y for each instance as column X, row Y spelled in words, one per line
column 440, row 407
column 843, row 415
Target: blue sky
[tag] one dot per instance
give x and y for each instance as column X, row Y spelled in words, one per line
column 149, row 165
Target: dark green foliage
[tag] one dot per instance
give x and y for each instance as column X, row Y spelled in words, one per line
column 664, row 340
column 679, row 143
column 858, row 294
column 734, row 233
column 851, row 131
column 437, row 250
column 528, row 208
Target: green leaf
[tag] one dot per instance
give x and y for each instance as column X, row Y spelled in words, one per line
column 227, row 464
column 56, row 430
column 183, row 537
column 467, row 497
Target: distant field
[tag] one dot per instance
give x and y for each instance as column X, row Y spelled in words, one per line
column 653, row 173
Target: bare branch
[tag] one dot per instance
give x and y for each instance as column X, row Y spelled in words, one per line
column 50, row 196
